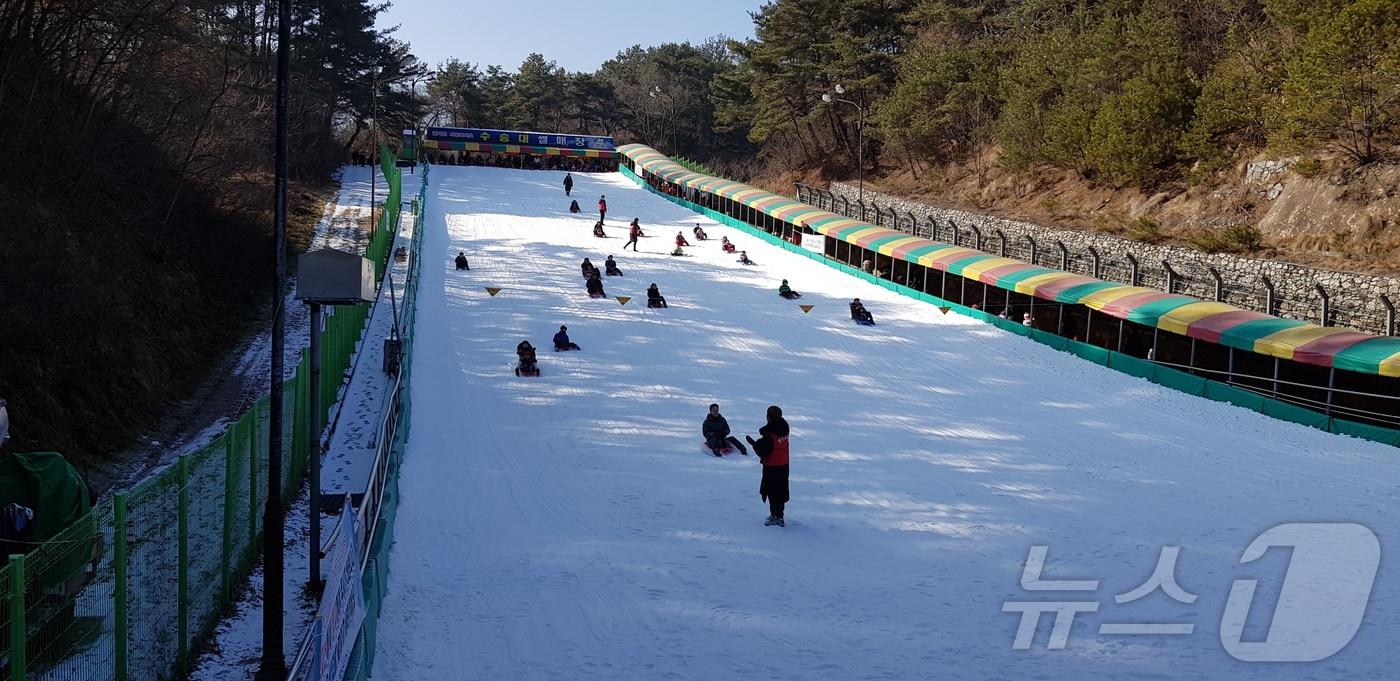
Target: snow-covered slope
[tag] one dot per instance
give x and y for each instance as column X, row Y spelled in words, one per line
column 571, row 527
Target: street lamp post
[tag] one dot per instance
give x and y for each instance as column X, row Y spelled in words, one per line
column 418, row 117
column 657, row 92
column 860, row 139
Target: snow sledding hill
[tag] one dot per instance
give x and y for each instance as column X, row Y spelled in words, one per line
column 571, row 526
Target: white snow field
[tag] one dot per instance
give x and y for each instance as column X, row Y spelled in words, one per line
column 571, row 526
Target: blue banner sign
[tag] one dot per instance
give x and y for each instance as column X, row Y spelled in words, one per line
column 534, row 139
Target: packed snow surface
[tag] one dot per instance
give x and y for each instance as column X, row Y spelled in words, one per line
column 572, row 527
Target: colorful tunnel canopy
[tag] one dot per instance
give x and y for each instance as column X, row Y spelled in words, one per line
column 1192, row 317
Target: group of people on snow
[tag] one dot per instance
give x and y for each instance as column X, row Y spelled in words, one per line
column 773, row 450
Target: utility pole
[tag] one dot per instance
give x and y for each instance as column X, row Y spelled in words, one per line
column 273, row 666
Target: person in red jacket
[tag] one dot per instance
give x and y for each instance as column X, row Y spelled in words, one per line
column 602, row 208
column 680, row 240
column 632, row 234
column 772, row 451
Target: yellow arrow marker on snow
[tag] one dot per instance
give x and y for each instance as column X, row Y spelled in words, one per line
column 944, row 310
column 806, row 308
column 622, row 300
column 493, row 290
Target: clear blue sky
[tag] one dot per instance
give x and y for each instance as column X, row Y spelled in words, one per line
column 579, row 34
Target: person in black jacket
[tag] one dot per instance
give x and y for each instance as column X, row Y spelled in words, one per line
column 568, row 184
column 772, row 451
column 860, row 314
column 462, row 261
column 573, row 206
column 526, row 354
column 654, row 297
column 562, row 342
column 610, row 267
column 595, row 286
column 716, row 431
column 588, row 268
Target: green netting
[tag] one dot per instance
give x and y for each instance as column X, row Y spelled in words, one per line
column 1180, row 380
column 1361, row 430
column 1296, row 414
column 1132, row 366
column 1236, row 396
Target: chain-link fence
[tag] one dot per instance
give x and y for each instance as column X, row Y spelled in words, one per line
column 130, row 590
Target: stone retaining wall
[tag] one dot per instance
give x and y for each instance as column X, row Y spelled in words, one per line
column 1355, row 299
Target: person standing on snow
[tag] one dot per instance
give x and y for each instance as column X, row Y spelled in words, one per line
column 632, row 233
column 716, row 432
column 602, row 208
column 772, row 451
column 568, row 183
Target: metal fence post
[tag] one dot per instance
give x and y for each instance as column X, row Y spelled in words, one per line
column 1219, row 284
column 1389, row 315
column 957, row 233
column 119, row 633
column 914, row 222
column 977, row 233
column 1269, row 294
column 182, row 583
column 932, row 227
column 1326, row 310
column 253, row 476
column 18, row 633
column 1064, row 255
column 1171, row 276
column 1133, row 269
column 1001, row 236
column 230, row 493
column 1034, row 246
column 1094, row 262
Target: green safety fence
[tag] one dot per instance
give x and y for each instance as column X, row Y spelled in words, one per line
column 1161, row 375
column 375, row 580
column 130, row 592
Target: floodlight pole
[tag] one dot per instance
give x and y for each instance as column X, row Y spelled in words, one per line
column 313, row 577
column 273, row 665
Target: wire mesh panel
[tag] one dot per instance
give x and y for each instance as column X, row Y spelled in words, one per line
column 153, row 566
column 206, row 482
column 74, row 639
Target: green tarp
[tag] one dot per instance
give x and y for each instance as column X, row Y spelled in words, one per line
column 45, row 482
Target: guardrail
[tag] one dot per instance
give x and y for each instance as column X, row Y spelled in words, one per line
column 372, row 521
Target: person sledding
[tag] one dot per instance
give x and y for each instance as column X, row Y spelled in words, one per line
column 772, row 451
column 680, row 240
column 462, row 263
column 527, row 366
column 573, row 206
column 654, row 297
column 598, row 230
column 588, row 268
column 716, row 431
column 860, row 314
column 744, row 258
column 677, row 250
column 699, row 233
column 562, row 342
column 726, row 244
column 610, row 267
column 786, row 291
column 595, row 286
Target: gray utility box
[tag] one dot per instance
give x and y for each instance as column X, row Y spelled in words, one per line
column 332, row 277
